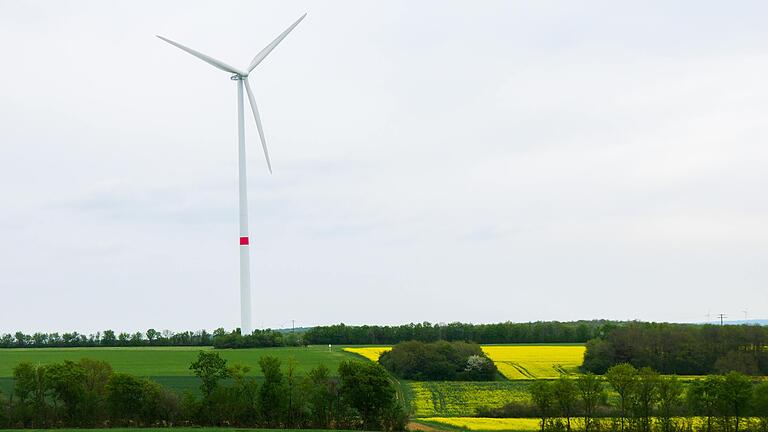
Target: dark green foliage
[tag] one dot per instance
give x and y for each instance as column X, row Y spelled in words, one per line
column 88, row 394
column 682, row 349
column 272, row 400
column 735, row 395
column 508, row 332
column 258, row 339
column 646, row 402
column 366, row 388
column 133, row 400
column 66, row 382
column 439, row 361
column 760, row 404
column 106, row 339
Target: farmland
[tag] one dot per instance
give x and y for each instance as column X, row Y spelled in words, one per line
column 371, row 353
column 169, row 366
column 535, row 361
column 461, row 398
column 170, row 361
column 516, row 361
column 486, row 424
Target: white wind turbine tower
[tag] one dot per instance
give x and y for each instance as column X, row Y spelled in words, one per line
column 241, row 77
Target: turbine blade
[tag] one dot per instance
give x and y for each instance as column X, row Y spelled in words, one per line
column 256, row 117
column 208, row 59
column 263, row 53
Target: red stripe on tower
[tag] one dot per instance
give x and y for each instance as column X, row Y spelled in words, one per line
column 244, row 241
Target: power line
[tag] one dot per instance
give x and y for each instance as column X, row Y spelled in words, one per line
column 721, row 318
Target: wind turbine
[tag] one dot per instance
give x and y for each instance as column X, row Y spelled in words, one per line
column 241, row 77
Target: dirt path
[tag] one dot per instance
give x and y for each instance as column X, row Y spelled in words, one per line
column 422, row 427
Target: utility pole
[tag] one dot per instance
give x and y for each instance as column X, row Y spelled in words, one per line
column 721, row 318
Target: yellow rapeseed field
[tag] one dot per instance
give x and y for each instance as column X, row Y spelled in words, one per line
column 535, row 361
column 515, row 361
column 488, row 424
column 533, row 425
column 371, row 353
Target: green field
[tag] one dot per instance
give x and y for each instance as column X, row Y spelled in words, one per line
column 175, row 429
column 170, row 361
column 169, row 366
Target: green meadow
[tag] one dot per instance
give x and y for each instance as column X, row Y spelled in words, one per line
column 169, row 366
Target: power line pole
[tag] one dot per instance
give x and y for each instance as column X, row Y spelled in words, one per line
column 721, row 318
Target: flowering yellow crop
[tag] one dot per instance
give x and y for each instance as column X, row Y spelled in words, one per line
column 533, row 425
column 371, row 353
column 462, row 398
column 488, row 424
column 535, row 361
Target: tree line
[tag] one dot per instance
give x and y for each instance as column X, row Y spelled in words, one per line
column 220, row 338
column 681, row 349
column 645, row 401
column 89, row 393
column 507, row 332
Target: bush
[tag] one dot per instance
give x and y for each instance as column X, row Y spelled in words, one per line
column 439, row 361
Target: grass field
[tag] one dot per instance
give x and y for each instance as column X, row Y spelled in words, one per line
column 175, row 429
column 169, row 366
column 171, row 361
column 462, row 399
column 535, row 361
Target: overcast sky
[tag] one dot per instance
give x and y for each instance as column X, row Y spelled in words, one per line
column 440, row 161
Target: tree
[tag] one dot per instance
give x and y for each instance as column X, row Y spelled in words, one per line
column 66, row 381
column 670, row 390
column 321, row 396
column 132, row 399
column 735, row 394
column 542, row 397
column 760, row 404
column 566, row 396
column 210, row 368
column 152, row 334
column 97, row 374
column 623, row 379
column 646, row 395
column 702, row 397
column 272, row 391
column 31, row 388
column 108, row 339
column 592, row 396
column 366, row 388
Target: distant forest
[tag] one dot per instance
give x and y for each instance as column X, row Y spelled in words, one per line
column 508, row 332
column 535, row 332
column 681, row 349
column 109, row 338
